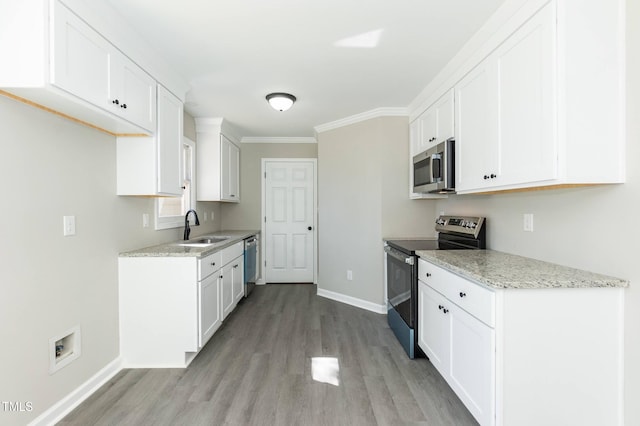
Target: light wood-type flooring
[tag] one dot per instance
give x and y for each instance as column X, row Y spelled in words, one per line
column 257, row 370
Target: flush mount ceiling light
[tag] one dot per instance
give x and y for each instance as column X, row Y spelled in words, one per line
column 280, row 101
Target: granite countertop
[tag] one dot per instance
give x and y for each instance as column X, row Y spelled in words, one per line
column 499, row 270
column 172, row 249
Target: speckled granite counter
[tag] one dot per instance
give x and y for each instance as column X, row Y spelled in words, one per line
column 174, row 250
column 499, row 270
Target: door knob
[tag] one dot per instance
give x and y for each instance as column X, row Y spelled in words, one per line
column 309, row 228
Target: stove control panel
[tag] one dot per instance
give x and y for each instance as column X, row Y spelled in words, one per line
column 462, row 224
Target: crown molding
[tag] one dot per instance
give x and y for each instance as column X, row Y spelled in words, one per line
column 269, row 139
column 367, row 115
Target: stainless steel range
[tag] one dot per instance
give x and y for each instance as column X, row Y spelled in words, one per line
column 454, row 233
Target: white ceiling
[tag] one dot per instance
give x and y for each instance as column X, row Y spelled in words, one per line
column 234, row 52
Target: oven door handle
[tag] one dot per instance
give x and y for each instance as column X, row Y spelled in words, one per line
column 397, row 255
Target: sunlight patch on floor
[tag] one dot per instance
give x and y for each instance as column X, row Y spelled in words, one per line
column 325, row 370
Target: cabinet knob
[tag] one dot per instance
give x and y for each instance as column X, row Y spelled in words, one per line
column 445, row 310
column 440, row 307
column 428, row 274
column 232, row 195
column 221, row 277
column 235, row 266
column 309, row 228
column 486, row 177
column 115, row 101
column 492, row 176
column 213, row 263
column 462, row 294
column 123, row 106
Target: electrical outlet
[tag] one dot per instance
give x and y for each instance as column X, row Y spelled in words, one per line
column 69, row 223
column 212, row 216
column 349, row 275
column 204, row 218
column 528, row 222
column 145, row 220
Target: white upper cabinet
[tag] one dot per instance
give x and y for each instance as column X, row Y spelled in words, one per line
column 169, row 141
column 476, row 144
column 505, row 112
column 521, row 116
column 218, row 159
column 132, row 93
column 80, row 58
column 229, row 169
column 53, row 58
column 435, row 125
column 153, row 165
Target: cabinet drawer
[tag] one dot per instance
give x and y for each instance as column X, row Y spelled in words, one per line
column 232, row 252
column 474, row 299
column 208, row 265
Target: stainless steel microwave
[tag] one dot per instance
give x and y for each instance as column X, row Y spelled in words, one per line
column 434, row 169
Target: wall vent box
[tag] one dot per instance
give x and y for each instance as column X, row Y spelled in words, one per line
column 64, row 348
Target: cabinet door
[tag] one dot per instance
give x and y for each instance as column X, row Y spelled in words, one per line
column 133, row 93
column 415, row 134
column 477, row 150
column 525, row 66
column 169, row 143
column 226, row 278
column 238, row 279
column 229, row 170
column 210, row 317
column 428, row 122
column 445, row 127
column 434, row 327
column 80, row 58
column 472, row 369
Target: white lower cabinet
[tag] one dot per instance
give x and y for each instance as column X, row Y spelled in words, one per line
column 524, row 356
column 171, row 306
column 209, row 312
column 226, row 278
column 231, row 276
column 461, row 348
column 472, row 363
column 238, row 279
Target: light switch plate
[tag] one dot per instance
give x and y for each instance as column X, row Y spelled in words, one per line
column 145, row 220
column 528, row 222
column 69, row 223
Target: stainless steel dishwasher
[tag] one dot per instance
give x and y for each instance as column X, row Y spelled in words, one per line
column 250, row 264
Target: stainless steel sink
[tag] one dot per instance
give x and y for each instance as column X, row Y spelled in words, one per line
column 203, row 241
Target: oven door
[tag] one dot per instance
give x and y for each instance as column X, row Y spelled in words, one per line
column 400, row 281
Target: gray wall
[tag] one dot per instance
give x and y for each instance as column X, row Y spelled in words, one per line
column 53, row 167
column 363, row 181
column 246, row 214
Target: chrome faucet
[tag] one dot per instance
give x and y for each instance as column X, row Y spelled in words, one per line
column 187, row 230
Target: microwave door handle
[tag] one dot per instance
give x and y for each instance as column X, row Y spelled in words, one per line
column 435, row 171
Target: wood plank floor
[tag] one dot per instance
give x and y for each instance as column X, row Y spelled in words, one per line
column 256, row 370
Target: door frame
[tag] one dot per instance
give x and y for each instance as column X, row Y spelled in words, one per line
column 263, row 240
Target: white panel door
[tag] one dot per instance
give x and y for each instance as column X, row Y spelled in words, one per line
column 169, row 155
column 81, row 58
column 289, row 221
column 238, row 278
column 210, row 317
column 434, row 327
column 472, row 364
column 526, row 103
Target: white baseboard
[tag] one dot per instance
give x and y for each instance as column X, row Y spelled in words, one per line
column 353, row 301
column 56, row 412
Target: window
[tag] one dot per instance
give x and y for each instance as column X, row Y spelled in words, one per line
column 170, row 211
